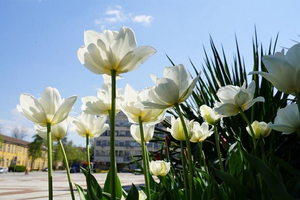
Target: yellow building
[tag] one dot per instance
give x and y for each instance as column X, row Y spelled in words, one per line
column 15, row 151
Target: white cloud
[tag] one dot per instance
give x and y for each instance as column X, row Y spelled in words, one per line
column 116, row 14
column 112, row 15
column 143, row 19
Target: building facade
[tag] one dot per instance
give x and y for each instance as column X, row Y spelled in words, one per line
column 14, row 151
column 125, row 146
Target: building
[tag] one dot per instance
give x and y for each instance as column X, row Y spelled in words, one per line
column 14, row 151
column 125, row 146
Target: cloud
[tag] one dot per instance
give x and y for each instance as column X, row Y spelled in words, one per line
column 143, row 19
column 116, row 14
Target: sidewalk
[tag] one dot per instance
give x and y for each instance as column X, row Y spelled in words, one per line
column 17, row 186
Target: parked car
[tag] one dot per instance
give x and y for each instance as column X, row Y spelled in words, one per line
column 3, row 170
column 45, row 169
column 74, row 170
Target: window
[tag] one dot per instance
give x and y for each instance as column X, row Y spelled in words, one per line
column 98, row 143
column 23, row 151
column 4, row 147
column 8, row 148
column 12, row 148
column 7, row 161
column 127, row 133
column 16, row 149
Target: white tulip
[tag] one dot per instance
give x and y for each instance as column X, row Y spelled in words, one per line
column 112, row 50
column 174, row 88
column 148, row 131
column 233, row 97
column 86, row 124
column 177, row 128
column 159, row 167
column 260, row 129
column 58, row 131
column 209, row 115
column 49, row 109
column 283, row 70
column 131, row 106
column 200, row 133
column 287, row 120
column 100, row 105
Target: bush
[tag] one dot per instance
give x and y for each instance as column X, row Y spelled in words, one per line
column 17, row 168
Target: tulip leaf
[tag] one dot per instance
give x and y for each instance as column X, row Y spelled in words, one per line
column 133, row 193
column 107, row 187
column 94, row 190
column 276, row 187
column 82, row 194
column 232, row 182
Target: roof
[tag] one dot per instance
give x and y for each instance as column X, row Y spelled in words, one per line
column 12, row 140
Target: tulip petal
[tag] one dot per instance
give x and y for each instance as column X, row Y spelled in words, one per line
column 64, row 110
column 32, row 109
column 227, row 109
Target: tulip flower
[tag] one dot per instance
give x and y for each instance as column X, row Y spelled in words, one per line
column 232, row 98
column 177, row 128
column 86, row 124
column 159, row 168
column 287, row 120
column 58, row 131
column 131, row 106
column 209, row 115
column 260, row 129
column 173, row 89
column 200, row 133
column 112, row 50
column 142, row 195
column 100, row 105
column 136, row 134
column 49, row 109
column 283, row 70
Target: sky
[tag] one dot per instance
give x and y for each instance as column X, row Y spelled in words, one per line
column 40, row 38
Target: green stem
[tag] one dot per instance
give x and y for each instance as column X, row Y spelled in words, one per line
column 88, row 152
column 188, row 145
column 218, row 147
column 145, row 160
column 202, row 156
column 113, row 170
column 50, row 187
column 67, row 168
column 298, row 100
column 250, row 127
column 184, row 171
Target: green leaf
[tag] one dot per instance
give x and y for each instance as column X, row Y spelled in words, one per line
column 232, row 182
column 133, row 193
column 81, row 192
column 107, row 187
column 276, row 187
column 93, row 188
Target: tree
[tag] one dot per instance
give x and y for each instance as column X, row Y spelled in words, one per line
column 20, row 133
column 35, row 148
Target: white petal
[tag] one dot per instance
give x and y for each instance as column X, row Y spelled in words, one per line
column 64, row 110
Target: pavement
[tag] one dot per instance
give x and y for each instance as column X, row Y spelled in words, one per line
column 18, row 186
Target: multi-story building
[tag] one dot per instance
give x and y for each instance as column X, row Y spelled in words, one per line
column 125, row 146
column 14, row 151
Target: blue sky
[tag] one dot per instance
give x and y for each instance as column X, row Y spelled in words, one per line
column 39, row 41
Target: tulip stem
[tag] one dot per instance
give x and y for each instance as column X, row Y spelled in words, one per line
column 88, row 152
column 67, row 168
column 250, row 127
column 188, row 145
column 202, row 156
column 184, row 171
column 218, row 147
column 50, row 187
column 145, row 159
column 113, row 171
column 298, row 101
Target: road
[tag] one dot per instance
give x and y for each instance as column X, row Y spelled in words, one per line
column 18, row 186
